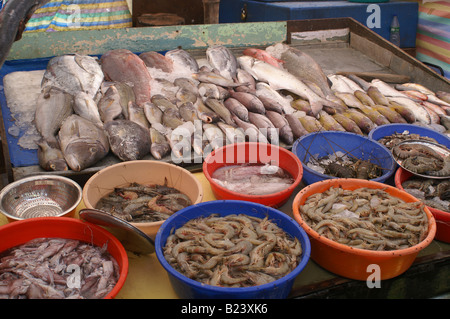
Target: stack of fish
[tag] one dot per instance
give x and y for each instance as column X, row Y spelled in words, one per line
column 173, row 104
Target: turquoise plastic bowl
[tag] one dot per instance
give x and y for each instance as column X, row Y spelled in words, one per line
column 326, row 142
column 187, row 288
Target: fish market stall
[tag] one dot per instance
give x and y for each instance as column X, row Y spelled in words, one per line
column 339, row 46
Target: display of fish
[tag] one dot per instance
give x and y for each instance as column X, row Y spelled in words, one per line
column 121, row 65
column 53, row 106
column 281, row 79
column 128, row 140
column 74, row 73
column 82, row 142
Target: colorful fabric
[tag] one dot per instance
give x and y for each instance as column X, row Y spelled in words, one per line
column 433, row 34
column 64, row 15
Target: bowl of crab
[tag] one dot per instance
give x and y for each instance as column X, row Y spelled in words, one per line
column 232, row 249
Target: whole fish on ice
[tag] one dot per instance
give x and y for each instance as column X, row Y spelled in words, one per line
column 223, row 60
column 281, row 79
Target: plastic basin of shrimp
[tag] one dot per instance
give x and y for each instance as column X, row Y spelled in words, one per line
column 256, row 153
column 190, row 288
column 442, row 218
column 389, row 129
column 356, row 263
column 319, row 144
column 22, row 231
column 142, row 172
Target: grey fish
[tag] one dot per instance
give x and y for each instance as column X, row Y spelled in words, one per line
column 50, row 158
column 250, row 101
column 171, row 118
column 209, row 90
column 109, row 106
column 13, row 18
column 160, row 146
column 184, row 96
column 122, row 65
column 136, row 114
column 162, row 102
column 183, row 60
column 73, row 74
column 188, row 112
column 271, row 104
column 85, row 106
column 237, row 108
column 303, row 66
column 153, row 59
column 126, row 94
column 186, row 84
column 153, row 113
column 252, row 133
column 263, row 91
column 264, row 125
column 214, row 78
column 53, row 106
column 247, row 80
column 233, row 134
column 218, row 107
column 280, row 122
column 128, row 140
column 82, row 142
column 214, row 135
column 222, row 59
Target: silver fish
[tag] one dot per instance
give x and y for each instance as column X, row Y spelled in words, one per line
column 214, row 78
column 188, row 112
column 339, row 85
column 50, row 158
column 214, row 135
column 73, row 74
column 162, row 102
column 128, row 140
column 82, row 142
column 247, row 80
column 187, row 84
column 136, row 114
column 109, row 106
column 53, row 106
column 85, row 106
column 182, row 60
column 13, row 17
column 171, row 118
column 280, row 79
column 218, row 107
column 160, row 146
column 222, row 59
column 204, row 113
column 263, row 90
column 153, row 113
column 418, row 110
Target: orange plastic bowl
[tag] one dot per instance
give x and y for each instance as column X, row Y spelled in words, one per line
column 352, row 262
column 442, row 218
column 22, row 231
column 255, row 153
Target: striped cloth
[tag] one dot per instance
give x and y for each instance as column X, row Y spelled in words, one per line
column 65, row 15
column 433, row 34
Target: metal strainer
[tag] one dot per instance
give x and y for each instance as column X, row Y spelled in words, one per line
column 40, row 196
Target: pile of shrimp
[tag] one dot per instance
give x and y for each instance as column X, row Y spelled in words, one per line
column 236, row 250
column 366, row 218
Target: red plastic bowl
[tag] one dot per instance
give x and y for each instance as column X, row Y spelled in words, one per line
column 253, row 152
column 442, row 218
column 22, row 231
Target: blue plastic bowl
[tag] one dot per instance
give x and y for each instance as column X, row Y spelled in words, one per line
column 389, row 129
column 327, row 142
column 188, row 288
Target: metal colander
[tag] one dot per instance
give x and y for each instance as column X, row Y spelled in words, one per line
column 40, row 196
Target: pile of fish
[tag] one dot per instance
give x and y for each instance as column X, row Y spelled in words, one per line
column 253, row 179
column 143, row 203
column 179, row 106
column 366, row 218
column 433, row 192
column 57, row 268
column 232, row 251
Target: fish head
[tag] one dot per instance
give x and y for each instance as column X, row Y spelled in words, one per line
column 80, row 154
